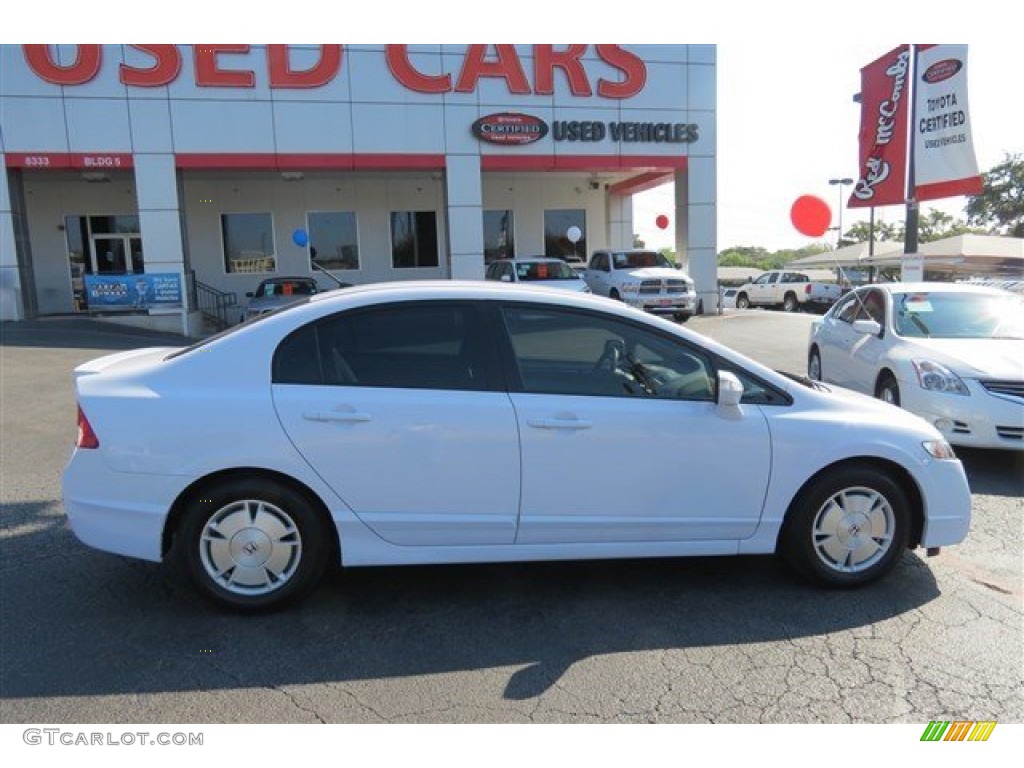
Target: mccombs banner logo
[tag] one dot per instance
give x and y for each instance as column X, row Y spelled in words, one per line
column 961, row 730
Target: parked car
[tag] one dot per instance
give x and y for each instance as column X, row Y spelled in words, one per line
column 951, row 353
column 276, row 292
column 729, row 298
column 643, row 279
column 789, row 291
column 537, row 270
column 457, row 422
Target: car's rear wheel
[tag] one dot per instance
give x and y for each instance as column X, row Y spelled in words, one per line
column 847, row 528
column 253, row 544
column 789, row 303
column 814, row 365
column 887, row 389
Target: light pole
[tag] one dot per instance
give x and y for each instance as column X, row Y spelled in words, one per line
column 840, row 183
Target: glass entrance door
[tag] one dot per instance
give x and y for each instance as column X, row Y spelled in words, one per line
column 110, row 255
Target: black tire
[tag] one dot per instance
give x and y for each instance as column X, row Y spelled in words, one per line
column 614, row 294
column 847, row 528
column 789, row 303
column 273, row 550
column 742, row 302
column 887, row 389
column 681, row 317
column 814, row 365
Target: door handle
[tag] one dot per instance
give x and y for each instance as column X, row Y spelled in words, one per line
column 560, row 423
column 339, row 416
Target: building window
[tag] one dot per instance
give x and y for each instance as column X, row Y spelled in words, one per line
column 414, row 239
column 499, row 235
column 333, row 243
column 248, row 242
column 556, row 238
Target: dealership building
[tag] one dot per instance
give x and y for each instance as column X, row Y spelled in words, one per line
column 144, row 183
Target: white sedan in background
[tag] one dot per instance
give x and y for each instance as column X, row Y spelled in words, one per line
column 447, row 422
column 951, row 353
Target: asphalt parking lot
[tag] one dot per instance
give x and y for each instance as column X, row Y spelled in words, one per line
column 94, row 638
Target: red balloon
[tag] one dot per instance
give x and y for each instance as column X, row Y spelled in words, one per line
column 661, row 221
column 810, row 215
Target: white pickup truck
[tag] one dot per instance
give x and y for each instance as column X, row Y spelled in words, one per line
column 642, row 279
column 791, row 291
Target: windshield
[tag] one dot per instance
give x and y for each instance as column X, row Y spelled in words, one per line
column 640, row 259
column 959, row 315
column 545, row 270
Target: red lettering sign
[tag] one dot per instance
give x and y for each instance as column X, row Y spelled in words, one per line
column 321, row 73
column 546, row 59
column 165, row 69
column 210, row 75
column 85, row 68
column 506, row 65
column 406, row 74
column 631, row 65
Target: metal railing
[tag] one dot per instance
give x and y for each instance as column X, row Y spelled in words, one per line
column 213, row 303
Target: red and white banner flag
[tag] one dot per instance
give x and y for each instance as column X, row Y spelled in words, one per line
column 885, row 97
column 944, row 162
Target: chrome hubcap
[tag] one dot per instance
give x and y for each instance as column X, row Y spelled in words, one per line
column 250, row 547
column 854, row 529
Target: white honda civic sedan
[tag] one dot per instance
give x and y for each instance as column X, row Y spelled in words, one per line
column 477, row 422
column 950, row 353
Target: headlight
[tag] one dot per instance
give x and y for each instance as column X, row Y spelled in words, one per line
column 939, row 449
column 938, row 378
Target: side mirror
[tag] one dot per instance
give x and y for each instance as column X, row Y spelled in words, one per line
column 248, row 294
column 730, row 389
column 678, row 266
column 867, row 327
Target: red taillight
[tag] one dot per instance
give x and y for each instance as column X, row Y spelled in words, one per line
column 807, row 289
column 86, row 437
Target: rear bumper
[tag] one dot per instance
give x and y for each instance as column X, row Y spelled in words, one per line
column 117, row 512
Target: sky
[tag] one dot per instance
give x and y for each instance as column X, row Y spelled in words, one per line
column 787, row 124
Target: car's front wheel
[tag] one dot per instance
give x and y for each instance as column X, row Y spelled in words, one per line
column 742, row 302
column 847, row 528
column 253, row 544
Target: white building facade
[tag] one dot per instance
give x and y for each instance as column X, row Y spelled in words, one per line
column 140, row 178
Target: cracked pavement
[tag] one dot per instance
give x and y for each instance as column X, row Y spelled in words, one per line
column 95, row 638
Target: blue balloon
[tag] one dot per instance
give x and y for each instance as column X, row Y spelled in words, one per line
column 300, row 238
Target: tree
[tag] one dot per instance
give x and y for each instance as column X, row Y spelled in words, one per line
column 936, row 225
column 861, row 231
column 1000, row 206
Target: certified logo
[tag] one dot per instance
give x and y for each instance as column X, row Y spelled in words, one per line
column 942, row 70
column 510, row 128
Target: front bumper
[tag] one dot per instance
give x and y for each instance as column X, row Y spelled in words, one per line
column 662, row 305
column 977, row 420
